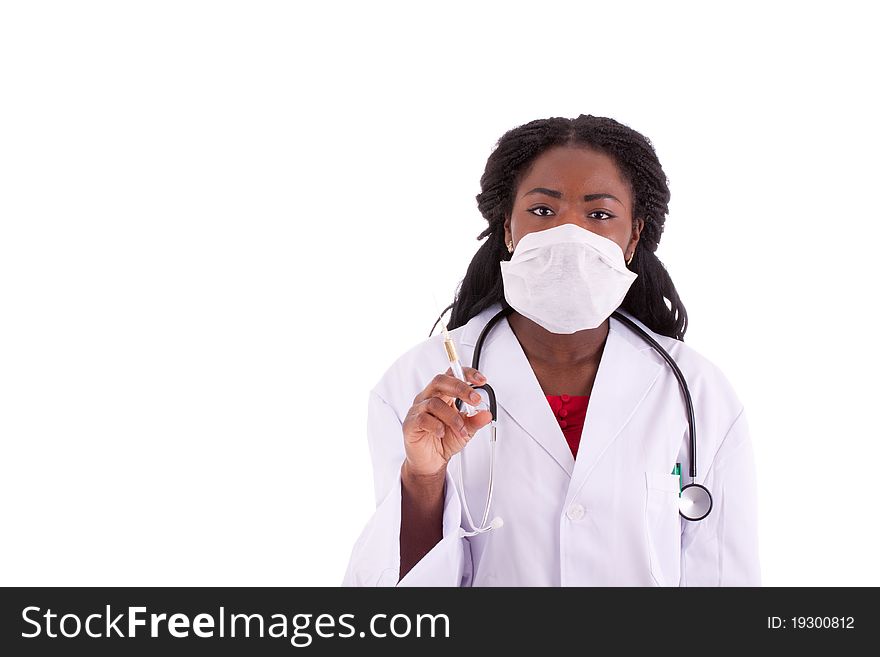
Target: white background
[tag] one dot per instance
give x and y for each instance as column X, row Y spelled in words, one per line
column 221, row 222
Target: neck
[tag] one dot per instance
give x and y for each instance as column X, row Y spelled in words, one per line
column 555, row 349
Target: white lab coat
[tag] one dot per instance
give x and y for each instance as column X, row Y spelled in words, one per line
column 608, row 518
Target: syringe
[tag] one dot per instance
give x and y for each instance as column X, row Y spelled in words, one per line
column 456, row 365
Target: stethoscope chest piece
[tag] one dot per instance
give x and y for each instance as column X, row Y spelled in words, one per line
column 695, row 502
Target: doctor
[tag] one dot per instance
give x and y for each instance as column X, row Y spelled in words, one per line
column 591, row 420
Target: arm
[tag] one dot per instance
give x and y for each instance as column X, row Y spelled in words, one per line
column 722, row 549
column 384, row 555
column 421, row 525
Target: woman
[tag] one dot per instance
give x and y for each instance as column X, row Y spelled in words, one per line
column 590, row 418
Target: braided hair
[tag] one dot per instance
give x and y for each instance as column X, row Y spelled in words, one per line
column 652, row 298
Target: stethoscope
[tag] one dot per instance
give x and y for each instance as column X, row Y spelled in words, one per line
column 695, row 501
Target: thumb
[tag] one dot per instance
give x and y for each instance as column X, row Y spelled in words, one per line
column 477, row 422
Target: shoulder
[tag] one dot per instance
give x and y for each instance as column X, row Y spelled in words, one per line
column 410, row 372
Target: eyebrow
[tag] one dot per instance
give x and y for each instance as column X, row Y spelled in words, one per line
column 555, row 194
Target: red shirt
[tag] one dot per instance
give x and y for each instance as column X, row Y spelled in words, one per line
column 570, row 411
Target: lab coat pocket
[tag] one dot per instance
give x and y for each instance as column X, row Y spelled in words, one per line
column 663, row 527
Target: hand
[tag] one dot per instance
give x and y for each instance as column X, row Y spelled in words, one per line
column 434, row 430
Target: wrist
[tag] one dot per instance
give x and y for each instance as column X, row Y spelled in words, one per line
column 417, row 473
column 422, row 485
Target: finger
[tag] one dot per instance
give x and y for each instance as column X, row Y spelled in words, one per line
column 428, row 423
column 473, row 375
column 446, row 385
column 446, row 398
column 477, row 421
column 457, row 421
column 448, row 415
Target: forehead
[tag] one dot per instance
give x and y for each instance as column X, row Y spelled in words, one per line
column 575, row 168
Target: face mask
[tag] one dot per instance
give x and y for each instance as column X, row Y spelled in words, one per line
column 566, row 278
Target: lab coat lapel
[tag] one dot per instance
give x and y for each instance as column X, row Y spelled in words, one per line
column 516, row 387
column 625, row 376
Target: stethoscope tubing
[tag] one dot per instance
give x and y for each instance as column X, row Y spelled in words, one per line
column 692, row 429
column 493, row 407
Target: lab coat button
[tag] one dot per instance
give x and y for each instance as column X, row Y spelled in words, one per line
column 575, row 512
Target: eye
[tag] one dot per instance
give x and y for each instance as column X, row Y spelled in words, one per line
column 607, row 216
column 541, row 207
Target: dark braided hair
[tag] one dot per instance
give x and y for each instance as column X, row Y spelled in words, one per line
column 634, row 154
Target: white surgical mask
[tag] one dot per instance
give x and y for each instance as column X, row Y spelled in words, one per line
column 566, row 278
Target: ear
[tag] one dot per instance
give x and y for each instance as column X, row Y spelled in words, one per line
column 508, row 235
column 638, row 225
